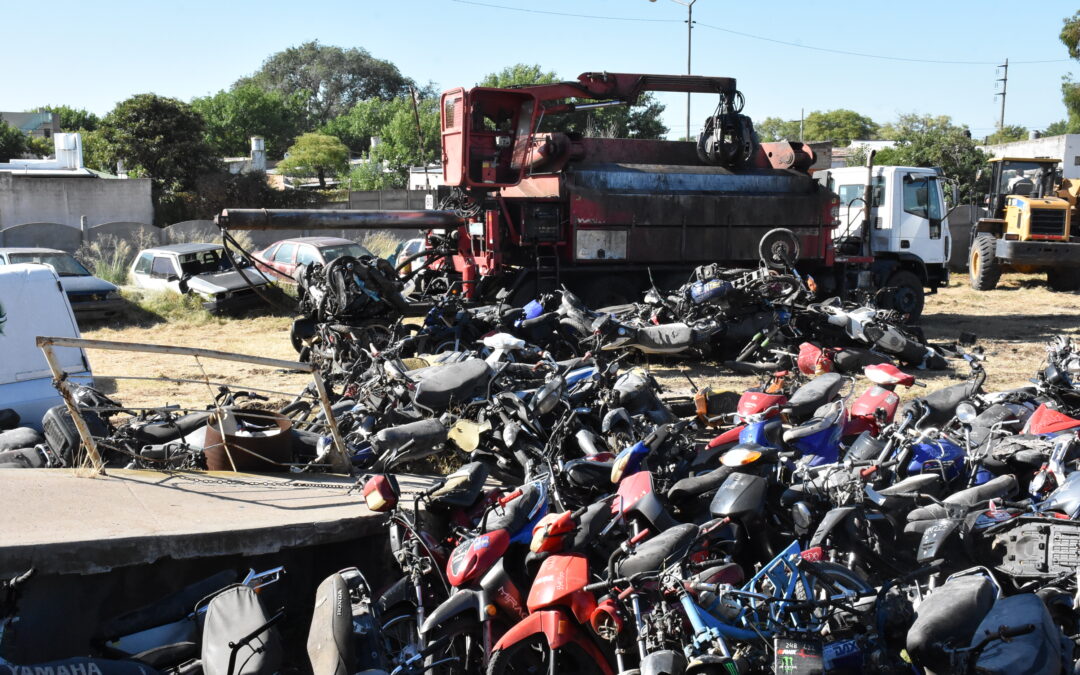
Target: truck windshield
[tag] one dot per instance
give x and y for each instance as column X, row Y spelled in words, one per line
column 64, row 264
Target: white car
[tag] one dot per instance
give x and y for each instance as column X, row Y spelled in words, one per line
column 203, row 269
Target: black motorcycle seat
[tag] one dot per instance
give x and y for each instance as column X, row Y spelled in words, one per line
column 589, row 473
column 925, row 483
column 660, row 551
column 462, row 488
column 949, row 615
column 329, row 643
column 667, row 336
column 572, row 303
column 854, row 359
column 425, row 435
column 814, row 394
column 695, row 486
column 1039, row 651
column 996, row 488
column 824, row 419
column 163, row 432
column 514, row 515
column 942, row 403
column 440, row 386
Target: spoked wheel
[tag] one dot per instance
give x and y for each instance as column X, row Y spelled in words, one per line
column 399, row 633
column 528, row 657
column 460, row 650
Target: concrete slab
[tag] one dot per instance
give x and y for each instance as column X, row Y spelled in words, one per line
column 61, row 523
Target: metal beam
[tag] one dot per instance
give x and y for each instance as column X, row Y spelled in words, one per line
column 302, row 219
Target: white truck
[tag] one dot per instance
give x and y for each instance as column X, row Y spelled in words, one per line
column 908, row 242
column 33, row 303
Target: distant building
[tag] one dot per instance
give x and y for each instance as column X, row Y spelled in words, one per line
column 37, row 124
column 840, row 155
column 256, row 161
column 425, row 177
column 1065, row 148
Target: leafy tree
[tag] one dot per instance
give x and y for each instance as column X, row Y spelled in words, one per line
column 233, row 116
column 372, row 118
column 642, row 120
column 1058, row 128
column 156, row 137
column 316, row 155
column 13, row 142
column 374, row 175
column 775, row 129
column 1008, row 134
column 40, row 146
column 1070, row 90
column 925, row 140
column 333, row 78
column 72, row 119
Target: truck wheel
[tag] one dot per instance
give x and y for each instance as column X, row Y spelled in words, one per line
column 908, row 298
column 1063, row 279
column 983, row 267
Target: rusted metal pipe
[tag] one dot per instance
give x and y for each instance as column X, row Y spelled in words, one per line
column 301, row 219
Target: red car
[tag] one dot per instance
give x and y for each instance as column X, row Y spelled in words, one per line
column 281, row 258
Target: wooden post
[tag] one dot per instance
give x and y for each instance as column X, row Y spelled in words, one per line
column 64, row 387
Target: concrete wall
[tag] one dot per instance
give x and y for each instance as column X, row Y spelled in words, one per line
column 67, row 199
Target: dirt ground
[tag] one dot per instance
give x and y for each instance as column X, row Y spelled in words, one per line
column 1012, row 324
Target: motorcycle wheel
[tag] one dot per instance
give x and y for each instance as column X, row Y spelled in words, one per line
column 463, row 651
column 399, row 633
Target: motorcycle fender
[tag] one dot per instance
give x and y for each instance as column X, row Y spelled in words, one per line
column 498, row 587
column 666, row 662
column 402, row 591
column 935, row 537
column 833, row 518
column 466, row 602
column 559, row 629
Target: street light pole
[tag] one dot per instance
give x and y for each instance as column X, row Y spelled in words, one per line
column 689, row 4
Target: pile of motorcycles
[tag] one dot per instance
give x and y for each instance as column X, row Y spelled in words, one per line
column 594, row 525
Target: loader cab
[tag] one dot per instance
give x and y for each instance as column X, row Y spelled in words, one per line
column 486, row 134
column 907, row 218
column 1020, row 177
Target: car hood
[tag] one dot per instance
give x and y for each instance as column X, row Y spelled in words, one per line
column 86, row 284
column 225, row 281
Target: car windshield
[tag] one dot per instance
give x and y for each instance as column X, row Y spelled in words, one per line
column 204, row 262
column 334, row 252
column 64, row 264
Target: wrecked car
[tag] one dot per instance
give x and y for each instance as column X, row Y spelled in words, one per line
column 203, row 269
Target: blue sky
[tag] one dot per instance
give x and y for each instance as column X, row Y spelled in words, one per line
column 94, row 54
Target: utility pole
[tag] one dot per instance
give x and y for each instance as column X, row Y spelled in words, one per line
column 1004, row 80
column 689, row 4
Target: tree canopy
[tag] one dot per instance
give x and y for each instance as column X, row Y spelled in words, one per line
column 333, row 78
column 926, row 140
column 841, row 126
column 233, row 116
column 12, row 142
column 1008, row 134
column 72, row 119
column 316, row 155
column 156, row 137
column 1070, row 90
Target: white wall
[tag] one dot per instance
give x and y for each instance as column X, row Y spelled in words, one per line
column 1065, row 147
column 65, row 199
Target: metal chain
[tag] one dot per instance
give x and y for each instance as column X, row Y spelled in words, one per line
column 266, row 483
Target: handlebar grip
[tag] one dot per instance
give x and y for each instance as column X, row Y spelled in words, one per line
column 434, row 488
column 639, row 536
column 598, row 586
column 503, row 501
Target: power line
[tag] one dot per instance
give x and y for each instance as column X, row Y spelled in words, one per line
column 830, row 50
column 579, row 16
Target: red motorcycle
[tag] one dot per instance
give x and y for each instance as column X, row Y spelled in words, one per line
column 877, row 406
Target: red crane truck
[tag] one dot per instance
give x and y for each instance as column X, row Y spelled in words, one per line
column 528, row 211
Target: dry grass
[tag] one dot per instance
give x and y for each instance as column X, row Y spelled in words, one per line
column 1012, row 324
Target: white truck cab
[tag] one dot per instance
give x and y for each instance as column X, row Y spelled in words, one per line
column 909, row 229
column 33, row 303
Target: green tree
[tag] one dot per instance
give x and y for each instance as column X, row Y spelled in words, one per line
column 72, row 119
column 156, row 137
column 773, row 129
column 232, row 117
column 13, row 142
column 642, row 120
column 1070, row 90
column 840, row 126
column 925, row 140
column 1058, row 128
column 316, row 155
column 1008, row 134
column 333, row 78
column 40, row 146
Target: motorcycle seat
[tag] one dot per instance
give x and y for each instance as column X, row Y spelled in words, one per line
column 462, row 488
column 425, row 435
column 825, row 419
column 926, row 483
column 943, row 402
column 589, row 473
column 156, row 433
column 439, row 387
column 695, row 486
column 330, row 638
column 515, row 514
column 668, row 337
column 1000, row 487
column 814, row 394
column 660, row 551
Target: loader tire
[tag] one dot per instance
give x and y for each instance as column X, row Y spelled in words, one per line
column 983, row 267
column 1063, row 279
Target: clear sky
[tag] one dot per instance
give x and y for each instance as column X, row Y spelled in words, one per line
column 94, row 54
